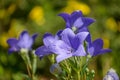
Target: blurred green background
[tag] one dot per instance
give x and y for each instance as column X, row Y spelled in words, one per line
column 41, row 16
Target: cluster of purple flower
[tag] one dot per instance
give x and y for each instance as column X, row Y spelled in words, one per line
column 74, row 40
column 70, row 41
column 66, row 43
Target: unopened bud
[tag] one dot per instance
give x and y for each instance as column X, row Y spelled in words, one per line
column 89, row 56
column 92, row 71
column 87, row 70
column 55, row 69
column 24, row 50
column 111, row 75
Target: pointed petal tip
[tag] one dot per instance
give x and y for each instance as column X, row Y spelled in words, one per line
column 46, row 35
column 24, row 32
column 34, row 36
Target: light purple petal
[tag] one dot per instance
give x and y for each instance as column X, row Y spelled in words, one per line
column 78, row 23
column 67, row 36
column 22, row 34
column 60, row 47
column 48, row 39
column 42, row 51
column 25, row 41
column 83, row 29
column 91, row 50
column 62, row 57
column 80, row 51
column 12, row 41
column 82, row 36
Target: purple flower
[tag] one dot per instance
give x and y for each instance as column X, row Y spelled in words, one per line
column 48, row 39
column 69, row 45
column 111, row 75
column 96, row 47
column 24, row 41
column 77, row 20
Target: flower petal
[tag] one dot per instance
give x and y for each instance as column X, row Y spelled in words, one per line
column 58, row 35
column 78, row 23
column 42, row 51
column 75, row 15
column 98, row 44
column 80, row 51
column 12, row 41
column 102, row 51
column 82, row 36
column 88, row 39
column 22, row 34
column 48, row 39
column 87, row 21
column 67, row 36
column 25, row 41
column 62, row 57
column 60, row 47
column 66, row 17
column 34, row 36
column 13, row 49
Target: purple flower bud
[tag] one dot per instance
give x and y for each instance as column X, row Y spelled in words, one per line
column 111, row 75
column 55, row 69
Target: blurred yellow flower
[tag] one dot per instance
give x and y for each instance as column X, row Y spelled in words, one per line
column 111, row 24
column 74, row 5
column 15, row 28
column 106, row 42
column 37, row 15
column 3, row 39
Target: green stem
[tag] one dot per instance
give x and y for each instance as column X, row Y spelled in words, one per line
column 78, row 75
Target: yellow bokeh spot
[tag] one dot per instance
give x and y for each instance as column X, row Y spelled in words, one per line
column 106, row 42
column 15, row 28
column 3, row 39
column 111, row 24
column 74, row 5
column 37, row 15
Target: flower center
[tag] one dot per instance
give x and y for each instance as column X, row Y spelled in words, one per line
column 74, row 29
column 70, row 51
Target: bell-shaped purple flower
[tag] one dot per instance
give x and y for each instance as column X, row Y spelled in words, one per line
column 77, row 20
column 48, row 39
column 69, row 45
column 25, row 41
column 96, row 47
